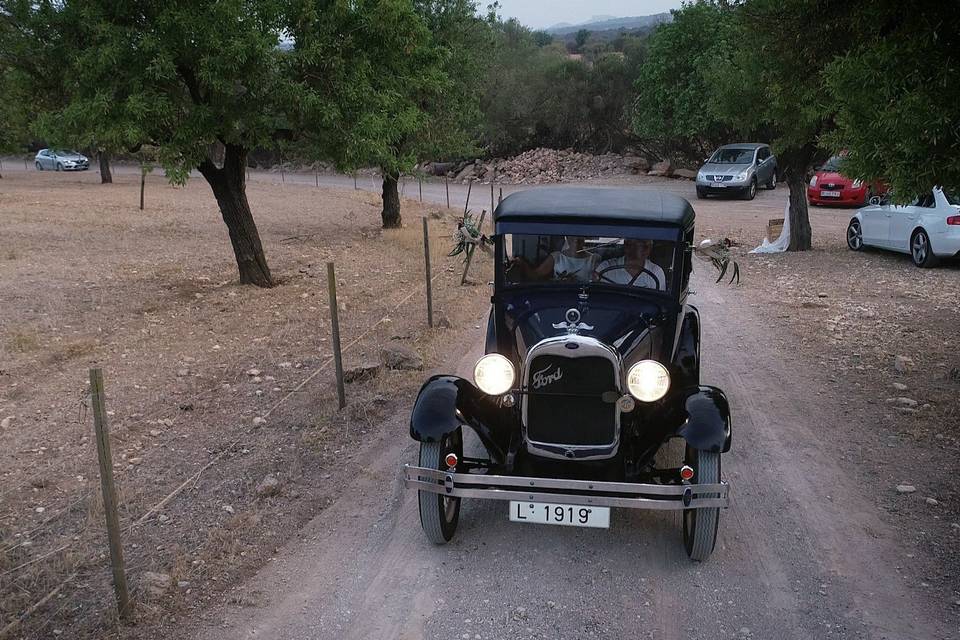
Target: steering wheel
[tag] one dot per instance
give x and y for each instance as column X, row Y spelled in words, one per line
column 602, row 277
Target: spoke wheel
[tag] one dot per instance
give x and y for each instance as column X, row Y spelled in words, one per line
column 439, row 514
column 700, row 525
column 920, row 250
column 751, row 191
column 854, row 236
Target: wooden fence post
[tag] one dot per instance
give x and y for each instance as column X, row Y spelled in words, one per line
column 466, row 204
column 143, row 181
column 335, row 327
column 316, row 175
column 109, row 493
column 283, row 178
column 354, row 180
column 492, row 206
column 446, row 183
column 25, row 164
column 426, row 258
column 420, row 182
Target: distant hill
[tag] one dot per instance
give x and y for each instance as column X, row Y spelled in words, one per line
column 611, row 24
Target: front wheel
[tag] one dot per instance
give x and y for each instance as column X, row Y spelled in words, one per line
column 701, row 193
column 700, row 525
column 59, row 167
column 854, row 235
column 38, row 166
column 921, row 251
column 439, row 514
column 751, row 192
column 772, row 183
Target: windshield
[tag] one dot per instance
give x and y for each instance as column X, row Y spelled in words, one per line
column 627, row 262
column 833, row 164
column 732, row 156
column 65, row 152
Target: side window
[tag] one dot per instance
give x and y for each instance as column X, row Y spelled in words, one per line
column 763, row 154
column 927, row 201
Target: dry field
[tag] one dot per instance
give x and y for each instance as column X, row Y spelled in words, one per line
column 86, row 279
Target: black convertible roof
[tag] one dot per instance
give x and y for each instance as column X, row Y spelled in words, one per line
column 595, row 204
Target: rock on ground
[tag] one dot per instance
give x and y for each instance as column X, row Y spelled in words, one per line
column 156, row 585
column 269, row 486
column 401, row 357
column 361, row 372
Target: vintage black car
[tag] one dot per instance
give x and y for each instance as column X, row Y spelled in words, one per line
column 592, row 365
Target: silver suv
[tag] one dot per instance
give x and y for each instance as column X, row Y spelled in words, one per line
column 738, row 169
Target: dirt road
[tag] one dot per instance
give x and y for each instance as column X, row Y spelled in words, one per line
column 801, row 552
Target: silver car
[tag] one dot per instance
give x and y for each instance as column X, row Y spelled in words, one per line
column 60, row 160
column 738, row 169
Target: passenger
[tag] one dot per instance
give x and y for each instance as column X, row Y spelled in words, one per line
column 573, row 262
column 633, row 267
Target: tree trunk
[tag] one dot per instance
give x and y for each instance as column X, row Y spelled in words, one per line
column 800, row 233
column 105, row 176
column 230, row 190
column 391, row 201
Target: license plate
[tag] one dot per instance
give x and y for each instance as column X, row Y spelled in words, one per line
column 829, row 194
column 563, row 514
column 716, row 185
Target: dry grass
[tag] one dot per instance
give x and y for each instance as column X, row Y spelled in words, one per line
column 152, row 299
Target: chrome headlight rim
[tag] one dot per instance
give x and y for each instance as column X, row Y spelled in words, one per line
column 648, row 381
column 494, row 374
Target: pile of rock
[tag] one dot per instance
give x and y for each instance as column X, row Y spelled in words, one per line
column 541, row 166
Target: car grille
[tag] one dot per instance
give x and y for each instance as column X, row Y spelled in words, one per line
column 719, row 178
column 564, row 400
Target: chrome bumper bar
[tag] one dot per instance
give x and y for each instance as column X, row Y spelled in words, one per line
column 579, row 492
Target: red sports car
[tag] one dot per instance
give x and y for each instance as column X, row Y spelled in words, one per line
column 830, row 187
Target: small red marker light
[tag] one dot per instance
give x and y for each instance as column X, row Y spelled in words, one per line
column 451, row 460
column 686, row 472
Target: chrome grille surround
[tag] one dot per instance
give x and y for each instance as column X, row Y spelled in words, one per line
column 586, row 347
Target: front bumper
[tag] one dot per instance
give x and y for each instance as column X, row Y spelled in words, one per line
column 723, row 187
column 577, row 492
column 849, row 197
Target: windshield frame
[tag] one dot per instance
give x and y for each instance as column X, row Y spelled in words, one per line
column 661, row 232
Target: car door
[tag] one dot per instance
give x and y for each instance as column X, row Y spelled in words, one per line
column 51, row 161
column 873, row 224
column 765, row 166
column 903, row 220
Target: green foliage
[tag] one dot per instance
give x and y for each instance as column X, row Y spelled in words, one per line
column 897, row 96
column 676, row 106
column 581, row 38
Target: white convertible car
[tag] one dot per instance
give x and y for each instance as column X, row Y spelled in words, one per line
column 928, row 228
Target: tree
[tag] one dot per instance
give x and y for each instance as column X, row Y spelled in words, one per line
column 580, row 39
column 542, row 38
column 896, row 96
column 676, row 110
column 420, row 86
column 773, row 83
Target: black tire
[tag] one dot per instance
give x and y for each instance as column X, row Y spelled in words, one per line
column 701, row 193
column 921, row 251
column 772, row 182
column 439, row 515
column 751, row 192
column 38, row 166
column 700, row 525
column 854, row 235
column 59, row 167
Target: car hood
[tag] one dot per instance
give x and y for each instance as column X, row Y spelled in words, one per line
column 634, row 326
column 724, row 169
column 832, row 177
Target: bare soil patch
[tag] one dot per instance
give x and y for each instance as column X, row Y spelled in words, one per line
column 851, row 315
column 190, row 358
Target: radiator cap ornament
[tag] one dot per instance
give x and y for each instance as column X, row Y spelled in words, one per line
column 573, row 324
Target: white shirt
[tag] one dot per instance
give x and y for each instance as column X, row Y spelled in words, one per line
column 579, row 269
column 622, row 276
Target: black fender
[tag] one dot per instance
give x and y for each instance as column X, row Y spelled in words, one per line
column 447, row 402
column 705, row 422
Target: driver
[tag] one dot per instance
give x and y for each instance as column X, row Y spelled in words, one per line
column 572, row 262
column 634, row 266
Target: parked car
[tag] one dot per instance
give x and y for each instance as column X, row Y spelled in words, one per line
column 738, row 169
column 928, row 228
column 60, row 160
column 591, row 366
column 830, row 187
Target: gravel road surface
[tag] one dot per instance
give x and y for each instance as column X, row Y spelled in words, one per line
column 801, row 552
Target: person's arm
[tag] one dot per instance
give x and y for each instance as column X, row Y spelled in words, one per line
column 544, row 270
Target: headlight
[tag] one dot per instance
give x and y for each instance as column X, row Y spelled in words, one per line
column 857, row 184
column 493, row 374
column 813, row 181
column 742, row 175
column 701, row 176
column 648, row 381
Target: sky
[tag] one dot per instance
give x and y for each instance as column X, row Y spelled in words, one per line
column 538, row 14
